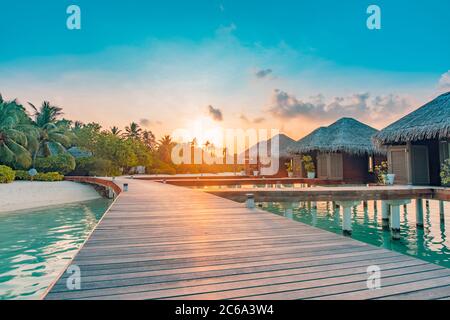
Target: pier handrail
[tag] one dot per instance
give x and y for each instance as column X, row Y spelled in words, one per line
column 97, row 181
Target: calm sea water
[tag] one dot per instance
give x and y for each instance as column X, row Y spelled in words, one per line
column 37, row 245
column 430, row 243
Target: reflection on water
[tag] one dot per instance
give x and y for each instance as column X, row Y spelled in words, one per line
column 36, row 245
column 430, row 243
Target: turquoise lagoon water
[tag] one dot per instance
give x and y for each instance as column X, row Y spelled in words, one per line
column 35, row 246
column 431, row 243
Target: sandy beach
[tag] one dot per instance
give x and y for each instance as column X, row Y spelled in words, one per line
column 29, row 195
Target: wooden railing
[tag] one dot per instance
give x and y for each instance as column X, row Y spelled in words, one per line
column 97, row 181
column 246, row 181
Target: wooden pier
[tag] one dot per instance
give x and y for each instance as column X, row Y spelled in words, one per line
column 336, row 193
column 160, row 241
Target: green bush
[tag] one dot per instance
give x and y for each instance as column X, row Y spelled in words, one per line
column 63, row 163
column 22, row 175
column 163, row 168
column 95, row 167
column 445, row 173
column 308, row 163
column 49, row 177
column 7, row 174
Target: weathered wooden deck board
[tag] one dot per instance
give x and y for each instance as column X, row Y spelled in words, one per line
column 165, row 242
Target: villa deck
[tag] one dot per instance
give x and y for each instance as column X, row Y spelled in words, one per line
column 160, row 241
column 323, row 193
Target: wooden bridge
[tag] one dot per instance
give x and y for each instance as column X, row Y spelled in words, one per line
column 160, row 241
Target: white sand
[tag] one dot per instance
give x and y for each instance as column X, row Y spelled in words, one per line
column 29, row 195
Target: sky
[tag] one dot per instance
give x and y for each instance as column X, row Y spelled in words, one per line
column 178, row 64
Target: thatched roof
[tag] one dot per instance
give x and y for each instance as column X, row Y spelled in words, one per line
column 284, row 142
column 428, row 122
column 345, row 135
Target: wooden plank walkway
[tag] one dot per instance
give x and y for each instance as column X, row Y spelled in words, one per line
column 166, row 242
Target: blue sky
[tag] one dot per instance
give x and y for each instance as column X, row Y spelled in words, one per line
column 279, row 62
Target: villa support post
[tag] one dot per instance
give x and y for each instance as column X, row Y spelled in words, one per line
column 442, row 211
column 334, row 205
column 250, row 202
column 395, row 222
column 365, row 205
column 375, row 206
column 347, row 216
column 419, row 213
column 337, row 215
column 385, row 213
column 395, row 217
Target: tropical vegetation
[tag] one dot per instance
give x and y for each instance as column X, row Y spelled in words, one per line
column 7, row 174
column 39, row 137
column 445, row 173
column 381, row 171
column 308, row 164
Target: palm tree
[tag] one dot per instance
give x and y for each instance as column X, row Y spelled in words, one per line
column 77, row 125
column 16, row 134
column 148, row 138
column 53, row 135
column 133, row 131
column 165, row 147
column 115, row 131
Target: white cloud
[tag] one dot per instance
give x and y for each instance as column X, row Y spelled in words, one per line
column 173, row 81
column 444, row 81
column 359, row 105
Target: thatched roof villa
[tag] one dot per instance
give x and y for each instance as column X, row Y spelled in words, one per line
column 419, row 142
column 342, row 151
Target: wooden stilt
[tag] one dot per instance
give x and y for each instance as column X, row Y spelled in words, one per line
column 419, row 213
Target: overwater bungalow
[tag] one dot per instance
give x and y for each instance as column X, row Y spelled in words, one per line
column 418, row 143
column 343, row 151
column 254, row 165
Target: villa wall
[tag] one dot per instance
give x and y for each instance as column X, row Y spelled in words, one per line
column 434, row 162
column 356, row 169
column 282, row 170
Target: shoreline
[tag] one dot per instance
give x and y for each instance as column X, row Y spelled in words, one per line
column 25, row 195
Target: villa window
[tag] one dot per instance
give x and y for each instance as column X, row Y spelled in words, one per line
column 444, row 151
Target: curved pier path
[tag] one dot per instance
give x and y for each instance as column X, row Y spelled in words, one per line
column 160, row 241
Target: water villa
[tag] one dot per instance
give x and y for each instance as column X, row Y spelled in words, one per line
column 342, row 151
column 418, row 143
column 252, row 164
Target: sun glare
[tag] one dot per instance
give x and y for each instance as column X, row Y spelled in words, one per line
column 204, row 130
